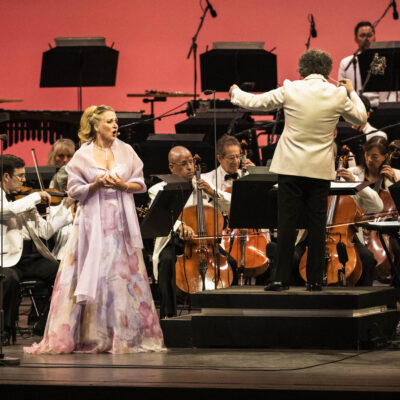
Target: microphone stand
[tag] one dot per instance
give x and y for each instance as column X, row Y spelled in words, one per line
column 4, row 361
column 217, row 256
column 193, row 49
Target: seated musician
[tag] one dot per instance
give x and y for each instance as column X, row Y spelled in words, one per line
column 373, row 165
column 59, row 155
column 231, row 163
column 61, row 152
column 25, row 255
column 181, row 163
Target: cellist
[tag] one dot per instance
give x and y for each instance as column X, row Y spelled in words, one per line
column 181, row 163
column 372, row 166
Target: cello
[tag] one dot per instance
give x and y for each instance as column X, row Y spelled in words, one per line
column 342, row 213
column 246, row 246
column 201, row 267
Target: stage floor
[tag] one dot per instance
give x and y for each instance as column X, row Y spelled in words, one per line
column 221, row 373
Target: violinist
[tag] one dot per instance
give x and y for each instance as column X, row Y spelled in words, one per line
column 59, row 155
column 181, row 163
column 25, row 255
column 304, row 157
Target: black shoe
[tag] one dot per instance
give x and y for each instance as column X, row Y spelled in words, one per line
column 9, row 337
column 276, row 287
column 313, row 287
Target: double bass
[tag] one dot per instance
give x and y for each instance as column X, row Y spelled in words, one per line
column 341, row 215
column 201, row 267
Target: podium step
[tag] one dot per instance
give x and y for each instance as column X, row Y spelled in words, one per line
column 336, row 318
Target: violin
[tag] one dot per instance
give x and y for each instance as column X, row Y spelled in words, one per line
column 201, row 267
column 341, row 215
column 56, row 195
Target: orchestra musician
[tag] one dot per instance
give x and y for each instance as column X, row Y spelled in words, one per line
column 304, row 157
column 373, row 165
column 232, row 165
column 25, row 255
column 102, row 300
column 349, row 68
column 181, row 163
column 61, row 152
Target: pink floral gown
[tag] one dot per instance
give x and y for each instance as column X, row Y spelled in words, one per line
column 101, row 300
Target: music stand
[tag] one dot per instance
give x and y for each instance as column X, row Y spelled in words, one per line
column 252, row 69
column 389, row 81
column 79, row 62
column 163, row 213
column 260, row 190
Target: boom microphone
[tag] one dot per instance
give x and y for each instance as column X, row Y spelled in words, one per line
column 395, row 13
column 312, row 28
column 212, row 11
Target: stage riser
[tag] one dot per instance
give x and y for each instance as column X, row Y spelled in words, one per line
column 281, row 332
column 292, row 319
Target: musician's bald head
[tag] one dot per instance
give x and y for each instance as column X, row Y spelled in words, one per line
column 180, row 161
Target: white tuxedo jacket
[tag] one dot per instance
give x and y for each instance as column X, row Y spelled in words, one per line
column 312, row 108
column 21, row 221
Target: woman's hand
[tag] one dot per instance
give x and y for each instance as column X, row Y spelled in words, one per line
column 388, row 172
column 115, row 181
column 345, row 174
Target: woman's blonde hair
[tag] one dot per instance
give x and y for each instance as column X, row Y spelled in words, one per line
column 57, row 146
column 90, row 118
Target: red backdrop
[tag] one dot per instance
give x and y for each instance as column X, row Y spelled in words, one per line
column 153, row 38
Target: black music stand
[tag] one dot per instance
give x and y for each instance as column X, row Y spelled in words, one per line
column 260, row 190
column 389, row 81
column 163, row 213
column 252, row 69
column 79, row 62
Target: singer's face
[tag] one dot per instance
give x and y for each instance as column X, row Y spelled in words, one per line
column 230, row 161
column 365, row 36
column 107, row 129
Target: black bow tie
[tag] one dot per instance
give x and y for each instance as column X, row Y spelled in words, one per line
column 231, row 176
column 10, row 197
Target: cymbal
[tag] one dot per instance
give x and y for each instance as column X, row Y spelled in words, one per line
column 10, row 100
column 154, row 93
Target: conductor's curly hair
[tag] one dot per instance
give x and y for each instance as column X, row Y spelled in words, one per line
column 315, row 61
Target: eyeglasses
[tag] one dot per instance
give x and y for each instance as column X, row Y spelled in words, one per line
column 233, row 157
column 20, row 176
column 184, row 163
column 365, row 35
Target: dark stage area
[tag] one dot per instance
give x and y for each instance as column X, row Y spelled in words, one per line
column 228, row 373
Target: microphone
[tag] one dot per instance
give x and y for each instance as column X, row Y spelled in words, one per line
column 395, row 13
column 207, row 92
column 3, row 137
column 212, row 11
column 312, row 27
